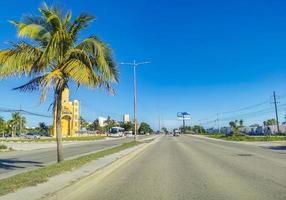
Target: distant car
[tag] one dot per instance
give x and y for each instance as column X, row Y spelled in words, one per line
column 128, row 133
column 116, row 132
column 32, row 136
column 44, row 134
column 176, row 134
column 20, row 134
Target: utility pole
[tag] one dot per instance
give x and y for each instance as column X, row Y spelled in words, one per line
column 20, row 125
column 218, row 126
column 159, row 123
column 135, row 64
column 276, row 112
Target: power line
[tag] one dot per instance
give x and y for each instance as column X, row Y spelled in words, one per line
column 25, row 112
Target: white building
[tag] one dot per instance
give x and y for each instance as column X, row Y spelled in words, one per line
column 126, row 118
column 102, row 121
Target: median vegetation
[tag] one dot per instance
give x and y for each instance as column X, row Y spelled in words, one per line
column 41, row 175
column 242, row 137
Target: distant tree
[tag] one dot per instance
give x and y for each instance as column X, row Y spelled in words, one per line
column 234, row 127
column 145, row 128
column 165, row 130
column 270, row 122
column 17, row 123
column 43, row 128
column 83, row 123
column 198, row 129
column 109, row 123
column 93, row 126
column 2, row 125
column 241, row 123
column 128, row 126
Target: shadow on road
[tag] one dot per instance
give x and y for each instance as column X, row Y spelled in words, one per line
column 9, row 164
column 278, row 148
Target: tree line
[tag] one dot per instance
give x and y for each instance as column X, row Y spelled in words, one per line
column 109, row 123
column 16, row 125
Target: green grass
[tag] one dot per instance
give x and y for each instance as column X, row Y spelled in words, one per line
column 3, row 147
column 88, row 138
column 242, row 137
column 41, row 175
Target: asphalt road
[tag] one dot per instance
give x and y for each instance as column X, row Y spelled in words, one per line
column 15, row 162
column 188, row 167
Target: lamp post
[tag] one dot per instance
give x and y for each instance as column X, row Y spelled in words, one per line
column 134, row 64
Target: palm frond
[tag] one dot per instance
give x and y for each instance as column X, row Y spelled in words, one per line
column 32, row 31
column 81, row 73
column 52, row 16
column 19, row 60
column 32, row 85
column 81, row 22
column 102, row 57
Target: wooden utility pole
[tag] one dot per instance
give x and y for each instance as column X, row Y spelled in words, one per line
column 276, row 112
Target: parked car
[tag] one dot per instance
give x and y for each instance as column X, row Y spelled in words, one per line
column 44, row 134
column 32, row 136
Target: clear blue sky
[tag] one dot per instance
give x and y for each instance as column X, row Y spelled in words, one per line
column 207, row 57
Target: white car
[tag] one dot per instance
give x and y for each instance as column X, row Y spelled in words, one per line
column 32, row 136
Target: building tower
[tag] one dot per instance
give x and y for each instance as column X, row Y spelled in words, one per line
column 70, row 116
column 126, row 118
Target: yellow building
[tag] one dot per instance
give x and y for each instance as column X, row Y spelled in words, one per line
column 70, row 116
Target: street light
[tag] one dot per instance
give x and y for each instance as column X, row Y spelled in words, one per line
column 134, row 64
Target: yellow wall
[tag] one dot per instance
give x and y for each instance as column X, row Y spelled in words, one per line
column 70, row 116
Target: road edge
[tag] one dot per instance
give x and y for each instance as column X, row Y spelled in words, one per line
column 98, row 175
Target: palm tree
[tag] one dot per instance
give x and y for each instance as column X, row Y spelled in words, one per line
column 2, row 126
column 17, row 122
column 54, row 57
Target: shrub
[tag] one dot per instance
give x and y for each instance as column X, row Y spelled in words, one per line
column 2, row 146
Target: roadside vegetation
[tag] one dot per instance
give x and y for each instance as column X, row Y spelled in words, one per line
column 243, row 137
column 41, row 175
column 3, row 147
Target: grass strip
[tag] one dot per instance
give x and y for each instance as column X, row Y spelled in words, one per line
column 41, row 175
column 2, row 146
column 248, row 138
column 88, row 138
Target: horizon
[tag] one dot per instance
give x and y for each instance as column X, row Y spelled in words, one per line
column 206, row 58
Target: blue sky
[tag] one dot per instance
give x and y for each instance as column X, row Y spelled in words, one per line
column 207, row 57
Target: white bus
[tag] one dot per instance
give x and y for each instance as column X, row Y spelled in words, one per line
column 116, row 132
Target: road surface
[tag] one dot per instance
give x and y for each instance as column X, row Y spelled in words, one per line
column 187, row 167
column 15, row 162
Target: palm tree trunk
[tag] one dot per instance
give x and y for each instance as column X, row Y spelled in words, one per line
column 54, row 130
column 58, row 108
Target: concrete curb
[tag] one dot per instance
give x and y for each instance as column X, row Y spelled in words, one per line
column 82, row 185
